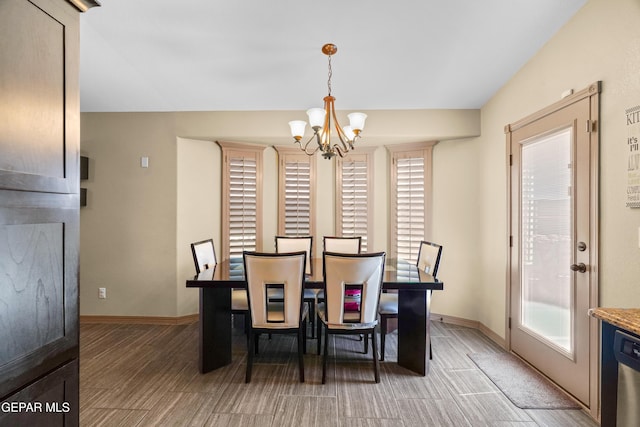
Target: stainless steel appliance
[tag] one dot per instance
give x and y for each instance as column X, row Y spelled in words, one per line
column 627, row 352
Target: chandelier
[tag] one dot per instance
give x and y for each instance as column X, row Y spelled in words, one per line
column 321, row 121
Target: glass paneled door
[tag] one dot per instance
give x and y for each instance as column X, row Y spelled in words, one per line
column 552, row 254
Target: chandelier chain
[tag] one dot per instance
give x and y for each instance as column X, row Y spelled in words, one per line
column 330, row 73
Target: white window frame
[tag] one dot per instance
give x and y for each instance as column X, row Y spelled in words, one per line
column 366, row 155
column 254, row 152
column 422, row 150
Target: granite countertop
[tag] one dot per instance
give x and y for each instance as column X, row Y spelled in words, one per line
column 625, row 318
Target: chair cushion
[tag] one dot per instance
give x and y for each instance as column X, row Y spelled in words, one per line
column 388, row 304
column 351, row 306
column 277, row 294
column 351, row 301
column 276, row 314
column 349, row 316
column 239, row 300
column 310, row 294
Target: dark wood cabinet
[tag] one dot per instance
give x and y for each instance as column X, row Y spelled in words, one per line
column 50, row 401
column 39, row 211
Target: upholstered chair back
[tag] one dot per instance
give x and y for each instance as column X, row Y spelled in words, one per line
column 264, row 272
column 342, row 245
column 346, row 273
column 286, row 244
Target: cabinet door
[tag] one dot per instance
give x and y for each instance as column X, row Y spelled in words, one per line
column 47, row 402
column 39, row 112
column 39, row 210
column 38, row 285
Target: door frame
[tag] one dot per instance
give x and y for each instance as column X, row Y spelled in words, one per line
column 593, row 93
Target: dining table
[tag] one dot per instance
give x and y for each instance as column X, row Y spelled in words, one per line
column 414, row 289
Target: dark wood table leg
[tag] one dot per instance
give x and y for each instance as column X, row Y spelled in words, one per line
column 215, row 328
column 413, row 330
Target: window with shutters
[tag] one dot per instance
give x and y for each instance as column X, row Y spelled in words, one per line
column 296, row 195
column 241, row 198
column 410, row 197
column 354, row 196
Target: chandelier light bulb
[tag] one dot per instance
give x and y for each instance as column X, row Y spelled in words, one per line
column 316, row 117
column 356, row 121
column 348, row 131
column 297, row 129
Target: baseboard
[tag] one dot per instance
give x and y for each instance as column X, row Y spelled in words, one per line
column 474, row 324
column 452, row 320
column 141, row 320
column 493, row 336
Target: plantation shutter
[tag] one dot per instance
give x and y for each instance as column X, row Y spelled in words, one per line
column 296, row 198
column 410, row 207
column 242, row 205
column 411, row 187
column 355, row 197
column 241, row 199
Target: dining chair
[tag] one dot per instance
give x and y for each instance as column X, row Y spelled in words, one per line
column 204, row 257
column 343, row 273
column 428, row 261
column 285, row 272
column 342, row 245
column 285, row 244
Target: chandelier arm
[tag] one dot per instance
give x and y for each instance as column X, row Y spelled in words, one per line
column 306, row 145
column 340, row 151
column 312, row 152
column 324, row 138
column 319, row 141
column 329, row 107
column 341, row 135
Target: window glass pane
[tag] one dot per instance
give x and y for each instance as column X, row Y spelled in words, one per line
column 546, row 242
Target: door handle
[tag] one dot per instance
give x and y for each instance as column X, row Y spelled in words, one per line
column 581, row 268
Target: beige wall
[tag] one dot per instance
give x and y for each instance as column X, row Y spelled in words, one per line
column 602, row 42
column 132, row 235
column 457, row 207
column 198, row 210
column 128, row 229
column 136, row 230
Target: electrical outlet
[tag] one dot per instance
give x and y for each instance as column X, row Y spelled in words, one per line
column 102, row 293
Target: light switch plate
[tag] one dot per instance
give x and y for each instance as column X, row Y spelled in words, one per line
column 144, row 162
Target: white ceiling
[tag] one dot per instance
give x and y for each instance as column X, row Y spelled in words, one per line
column 212, row 55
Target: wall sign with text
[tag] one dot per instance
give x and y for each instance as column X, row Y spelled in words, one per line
column 633, row 157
